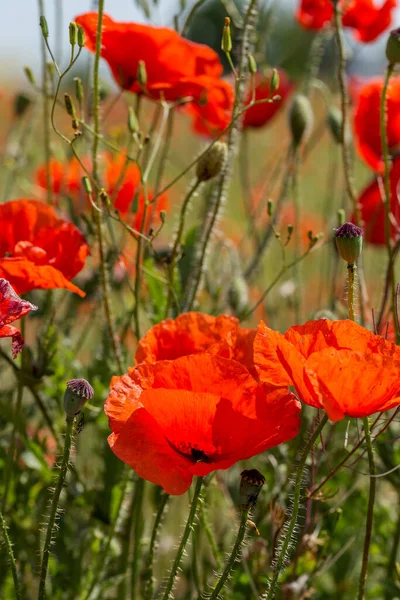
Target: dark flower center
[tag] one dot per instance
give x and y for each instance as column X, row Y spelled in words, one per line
column 192, row 452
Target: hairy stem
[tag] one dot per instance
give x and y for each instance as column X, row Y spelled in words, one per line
column 10, row 556
column 149, row 577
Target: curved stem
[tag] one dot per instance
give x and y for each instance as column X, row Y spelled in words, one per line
column 233, row 557
column 387, row 195
column 186, row 532
column 54, row 507
column 10, row 556
column 282, row 552
column 370, row 510
column 148, row 593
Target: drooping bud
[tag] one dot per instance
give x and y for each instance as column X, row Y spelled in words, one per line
column 21, row 104
column 44, row 27
column 252, row 64
column 78, row 392
column 142, row 74
column 73, row 32
column 301, row 119
column 81, row 37
column 212, row 162
column 274, row 81
column 393, row 47
column 226, row 41
column 251, row 483
column 349, row 241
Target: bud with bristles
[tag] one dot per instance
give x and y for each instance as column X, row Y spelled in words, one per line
column 274, row 82
column 251, row 483
column 79, row 93
column 44, row 26
column 252, row 64
column 30, row 76
column 301, row 119
column 73, row 31
column 349, row 241
column 78, row 392
column 81, row 37
column 212, row 162
column 142, row 74
column 393, row 47
column 226, row 41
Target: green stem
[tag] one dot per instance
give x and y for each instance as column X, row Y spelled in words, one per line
column 370, row 510
column 351, row 270
column 137, row 534
column 233, row 557
column 297, row 218
column 148, row 593
column 10, row 556
column 288, row 540
column 186, row 533
column 46, row 112
column 11, row 451
column 50, row 533
column 209, row 534
column 98, row 217
column 395, row 548
column 387, row 195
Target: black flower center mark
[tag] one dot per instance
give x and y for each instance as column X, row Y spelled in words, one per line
column 192, row 452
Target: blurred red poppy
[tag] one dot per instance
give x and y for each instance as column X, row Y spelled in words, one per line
column 363, row 16
column 175, row 419
column 12, row 308
column 176, row 68
column 37, row 249
column 367, row 120
column 67, row 179
column 373, row 211
column 335, row 365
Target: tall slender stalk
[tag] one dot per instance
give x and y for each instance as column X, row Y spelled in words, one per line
column 148, row 593
column 11, row 450
column 46, row 110
column 137, row 534
column 186, row 532
column 10, row 556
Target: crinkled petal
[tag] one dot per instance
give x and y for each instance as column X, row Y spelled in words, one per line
column 12, row 307
column 26, row 276
column 17, row 339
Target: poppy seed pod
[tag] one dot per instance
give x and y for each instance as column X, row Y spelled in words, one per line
column 212, row 162
column 349, row 242
column 301, row 119
column 393, row 47
column 78, row 392
column 251, row 482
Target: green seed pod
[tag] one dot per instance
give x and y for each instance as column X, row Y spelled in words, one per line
column 212, row 163
column 81, row 37
column 78, row 392
column 251, row 482
column 73, row 31
column 301, row 119
column 44, row 27
column 393, row 47
column 226, row 41
column 252, row 64
column 274, row 81
column 349, row 241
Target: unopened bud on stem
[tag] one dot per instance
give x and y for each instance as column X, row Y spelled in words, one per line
column 78, row 392
column 301, row 119
column 251, row 483
column 212, row 162
column 349, row 242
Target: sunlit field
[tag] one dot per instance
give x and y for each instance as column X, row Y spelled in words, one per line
column 199, row 302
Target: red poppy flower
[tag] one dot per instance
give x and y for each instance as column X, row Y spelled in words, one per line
column 373, row 211
column 37, row 249
column 176, row 419
column 363, row 16
column 195, row 332
column 12, row 308
column 176, row 68
column 335, row 365
column 260, row 114
column 367, row 120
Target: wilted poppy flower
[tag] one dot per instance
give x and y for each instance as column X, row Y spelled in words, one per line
column 373, row 210
column 366, row 19
column 37, row 249
column 12, row 308
column 367, row 120
column 176, row 68
column 335, row 365
column 174, row 419
column 196, row 332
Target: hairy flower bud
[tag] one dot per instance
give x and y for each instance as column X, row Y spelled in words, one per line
column 251, row 483
column 212, row 162
column 81, row 37
column 78, row 392
column 349, row 242
column 301, row 119
column 393, row 47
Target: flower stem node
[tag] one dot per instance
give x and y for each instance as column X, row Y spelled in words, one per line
column 393, row 47
column 212, row 162
column 301, row 119
column 78, row 392
column 349, row 242
column 251, row 483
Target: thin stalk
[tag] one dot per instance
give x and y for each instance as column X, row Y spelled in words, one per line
column 54, row 507
column 137, row 534
column 10, row 556
column 387, row 196
column 351, row 270
column 395, row 548
column 46, row 111
column 370, row 510
column 11, row 451
column 283, row 550
column 209, row 534
column 297, row 218
column 98, row 216
column 186, row 533
column 234, row 556
column 149, row 571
